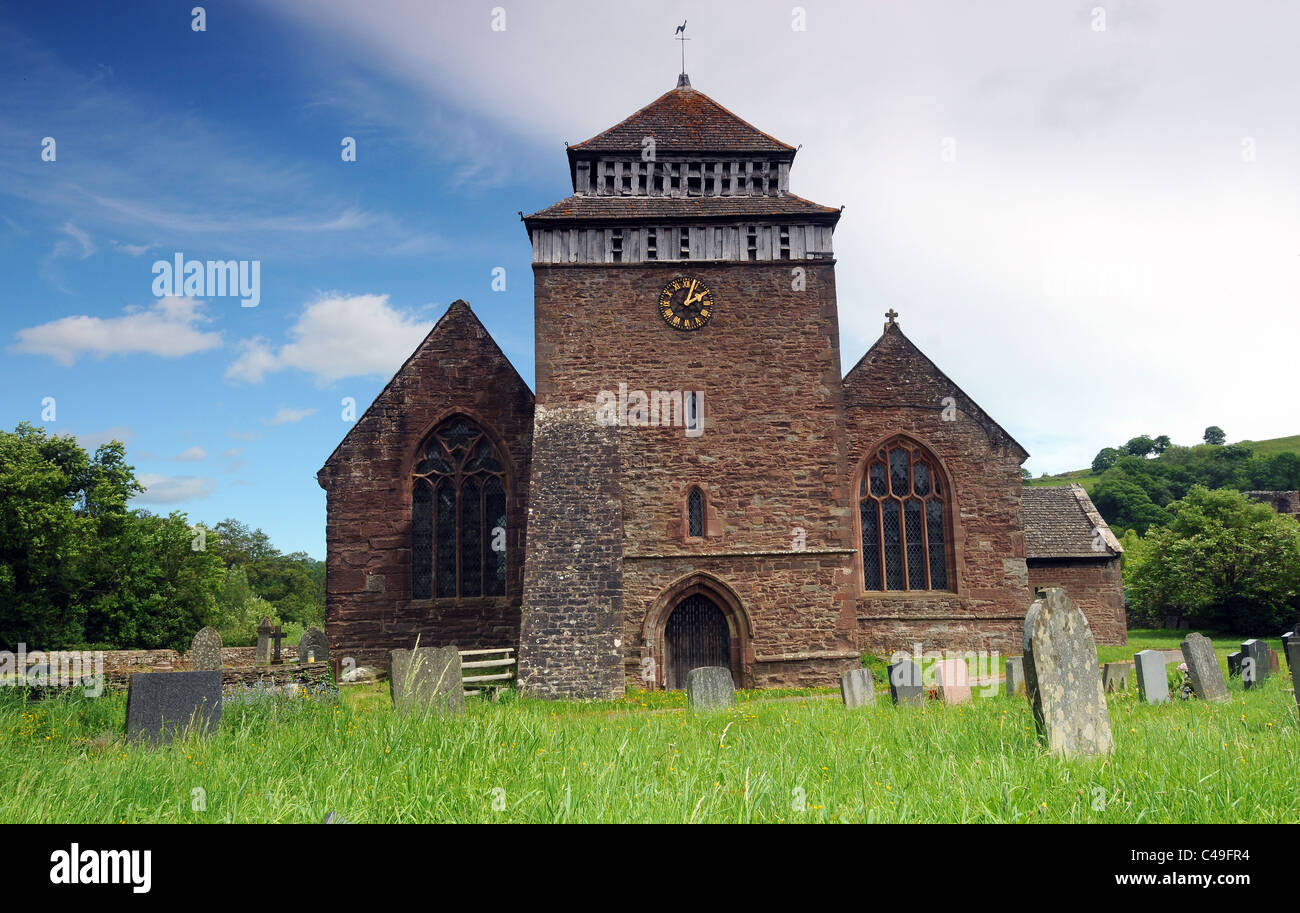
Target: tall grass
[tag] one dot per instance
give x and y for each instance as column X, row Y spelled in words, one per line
column 646, row 758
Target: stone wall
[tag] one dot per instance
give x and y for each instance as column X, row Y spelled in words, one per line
column 369, row 609
column 895, row 389
column 1095, row 586
column 572, row 614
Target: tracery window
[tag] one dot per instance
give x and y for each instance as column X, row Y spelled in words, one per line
column 904, row 520
column 695, row 513
column 458, row 515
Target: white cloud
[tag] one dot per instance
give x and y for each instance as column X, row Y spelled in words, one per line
column 93, row 439
column 169, row 328
column 161, row 489
column 192, row 455
column 337, row 336
column 287, row 416
column 135, row 250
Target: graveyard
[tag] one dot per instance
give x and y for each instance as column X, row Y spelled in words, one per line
column 414, row 749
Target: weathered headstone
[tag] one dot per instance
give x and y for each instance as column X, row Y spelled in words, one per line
column 954, row 681
column 857, row 688
column 1234, row 664
column 1114, row 677
column 1274, row 662
column 205, row 650
column 1061, row 678
column 314, row 647
column 1015, row 676
column 1293, row 660
column 264, row 632
column 1254, row 663
column 1153, row 680
column 1287, row 638
column 426, row 678
column 1203, row 668
column 161, row 705
column 905, row 686
column 710, row 688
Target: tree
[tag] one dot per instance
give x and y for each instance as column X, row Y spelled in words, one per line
column 1214, row 435
column 1140, row 446
column 1225, row 562
column 1126, row 504
column 1162, row 443
column 1105, row 458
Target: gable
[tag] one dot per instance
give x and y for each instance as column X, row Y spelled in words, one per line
column 908, row 378
column 457, row 362
column 1063, row 523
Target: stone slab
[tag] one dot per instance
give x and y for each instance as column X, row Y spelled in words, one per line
column 1254, row 663
column 1203, row 668
column 905, row 684
column 426, row 678
column 710, row 688
column 1234, row 664
column 162, row 705
column 954, row 681
column 205, row 650
column 1061, row 678
column 1014, row 680
column 314, row 647
column 1152, row 676
column 857, row 688
column 1114, row 677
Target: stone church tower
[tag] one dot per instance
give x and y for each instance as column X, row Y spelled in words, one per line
column 696, row 482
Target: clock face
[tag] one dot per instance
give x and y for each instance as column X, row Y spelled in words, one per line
column 686, row 304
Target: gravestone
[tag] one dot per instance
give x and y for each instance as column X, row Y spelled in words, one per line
column 313, row 648
column 1015, row 677
column 1234, row 664
column 205, row 650
column 1203, row 668
column 1293, row 660
column 710, row 688
column 1153, row 680
column 1287, row 638
column 426, row 678
column 954, row 681
column 161, row 705
column 1061, row 678
column 905, row 685
column 1274, row 663
column 1114, row 677
column 264, row 632
column 1254, row 663
column 857, row 688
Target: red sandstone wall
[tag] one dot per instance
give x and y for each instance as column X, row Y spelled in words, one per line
column 369, row 610
column 1097, row 587
column 895, row 389
column 770, row 459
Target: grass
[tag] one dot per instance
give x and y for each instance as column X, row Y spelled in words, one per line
column 776, row 757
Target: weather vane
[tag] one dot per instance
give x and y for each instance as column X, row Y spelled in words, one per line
column 681, row 30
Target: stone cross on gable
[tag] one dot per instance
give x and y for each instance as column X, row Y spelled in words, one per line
column 891, row 317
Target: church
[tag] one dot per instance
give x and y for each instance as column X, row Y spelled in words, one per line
column 693, row 480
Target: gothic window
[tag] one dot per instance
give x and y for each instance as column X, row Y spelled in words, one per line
column 458, row 515
column 695, row 513
column 903, row 516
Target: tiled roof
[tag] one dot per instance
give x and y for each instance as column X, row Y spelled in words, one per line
column 684, row 120
column 1062, row 523
column 585, row 206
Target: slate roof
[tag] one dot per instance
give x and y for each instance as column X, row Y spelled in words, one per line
column 619, row 208
column 1062, row 522
column 684, row 120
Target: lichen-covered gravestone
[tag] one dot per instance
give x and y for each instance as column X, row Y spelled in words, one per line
column 205, row 650
column 954, row 681
column 1114, row 677
column 1203, row 668
column 161, row 705
column 314, row 647
column 857, row 688
column 710, row 688
column 1153, row 681
column 905, row 685
column 426, row 678
column 1015, row 677
column 1061, row 678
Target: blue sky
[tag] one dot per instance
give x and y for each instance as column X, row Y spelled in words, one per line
column 1095, row 232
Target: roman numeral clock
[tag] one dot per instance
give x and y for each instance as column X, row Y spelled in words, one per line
column 686, row 303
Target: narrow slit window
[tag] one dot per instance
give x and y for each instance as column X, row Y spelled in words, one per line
column 695, row 513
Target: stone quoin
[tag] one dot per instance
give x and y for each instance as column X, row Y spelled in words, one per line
column 799, row 517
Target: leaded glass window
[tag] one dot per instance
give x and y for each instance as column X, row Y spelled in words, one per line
column 695, row 513
column 458, row 515
column 903, row 519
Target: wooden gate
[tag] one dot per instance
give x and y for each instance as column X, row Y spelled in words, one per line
column 696, row 635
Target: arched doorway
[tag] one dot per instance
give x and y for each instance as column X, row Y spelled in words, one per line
column 696, row 634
